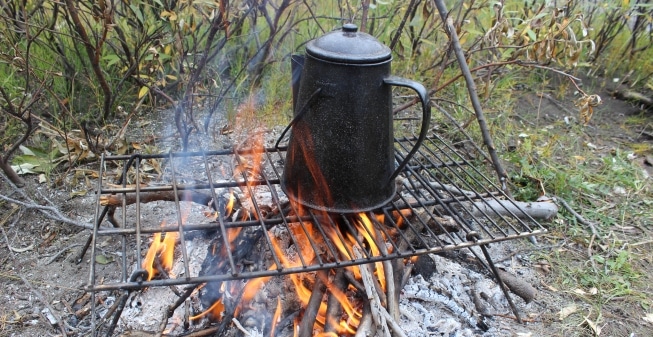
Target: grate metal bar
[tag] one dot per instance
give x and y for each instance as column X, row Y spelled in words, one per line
column 443, row 187
column 180, row 230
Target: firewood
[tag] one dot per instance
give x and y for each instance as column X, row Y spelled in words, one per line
column 392, row 295
column 313, row 306
column 372, row 296
column 145, row 197
column 365, row 325
column 334, row 308
column 518, row 286
column 538, row 210
column 632, row 96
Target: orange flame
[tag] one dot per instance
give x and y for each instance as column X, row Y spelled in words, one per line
column 248, row 168
column 230, row 204
column 164, row 248
column 275, row 318
column 216, row 310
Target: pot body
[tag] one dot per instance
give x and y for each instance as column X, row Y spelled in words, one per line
column 340, row 156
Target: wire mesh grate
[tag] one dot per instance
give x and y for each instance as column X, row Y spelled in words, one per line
column 443, row 197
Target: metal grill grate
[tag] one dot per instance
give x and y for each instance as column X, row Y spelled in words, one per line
column 445, row 200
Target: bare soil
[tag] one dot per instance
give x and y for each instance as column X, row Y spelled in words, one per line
column 32, row 282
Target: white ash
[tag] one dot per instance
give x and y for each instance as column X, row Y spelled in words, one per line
column 444, row 305
column 145, row 309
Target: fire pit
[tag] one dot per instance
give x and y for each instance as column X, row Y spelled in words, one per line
column 253, row 233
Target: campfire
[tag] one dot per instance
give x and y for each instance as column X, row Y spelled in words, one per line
column 235, row 255
column 313, row 239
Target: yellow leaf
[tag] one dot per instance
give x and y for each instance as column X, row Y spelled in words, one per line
column 171, row 15
column 172, row 77
column 144, row 90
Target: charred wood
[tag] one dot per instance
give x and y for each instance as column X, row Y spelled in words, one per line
column 313, row 306
column 334, row 308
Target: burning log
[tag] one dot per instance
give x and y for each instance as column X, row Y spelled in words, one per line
column 365, row 325
column 334, row 308
column 310, row 314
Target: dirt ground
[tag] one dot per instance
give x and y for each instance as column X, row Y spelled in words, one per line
column 39, row 273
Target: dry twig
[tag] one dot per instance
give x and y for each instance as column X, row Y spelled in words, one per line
column 578, row 216
column 50, row 212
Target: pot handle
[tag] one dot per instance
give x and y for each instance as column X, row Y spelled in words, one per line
column 426, row 115
column 298, row 116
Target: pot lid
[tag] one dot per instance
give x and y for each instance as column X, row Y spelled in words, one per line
column 348, row 45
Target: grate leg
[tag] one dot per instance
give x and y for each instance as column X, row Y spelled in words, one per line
column 474, row 236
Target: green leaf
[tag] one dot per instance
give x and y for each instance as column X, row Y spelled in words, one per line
column 111, row 59
column 138, row 13
column 101, row 259
column 531, row 34
column 25, row 168
column 26, row 150
column 34, row 160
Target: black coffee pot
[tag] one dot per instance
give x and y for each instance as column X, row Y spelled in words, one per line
column 340, row 155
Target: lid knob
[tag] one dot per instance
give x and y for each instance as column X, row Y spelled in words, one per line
column 349, row 28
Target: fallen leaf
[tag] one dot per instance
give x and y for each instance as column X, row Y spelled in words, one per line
column 24, row 168
column 648, row 318
column 566, row 311
column 42, row 178
column 579, row 291
column 78, row 193
column 595, row 327
column 26, row 151
column 101, row 259
column 579, row 158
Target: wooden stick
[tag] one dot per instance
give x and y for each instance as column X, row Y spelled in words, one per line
column 334, row 307
column 365, row 326
column 145, row 197
column 351, row 278
column 578, row 216
column 372, row 296
column 313, row 306
column 473, row 94
column 538, row 210
column 392, row 296
column 396, row 329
